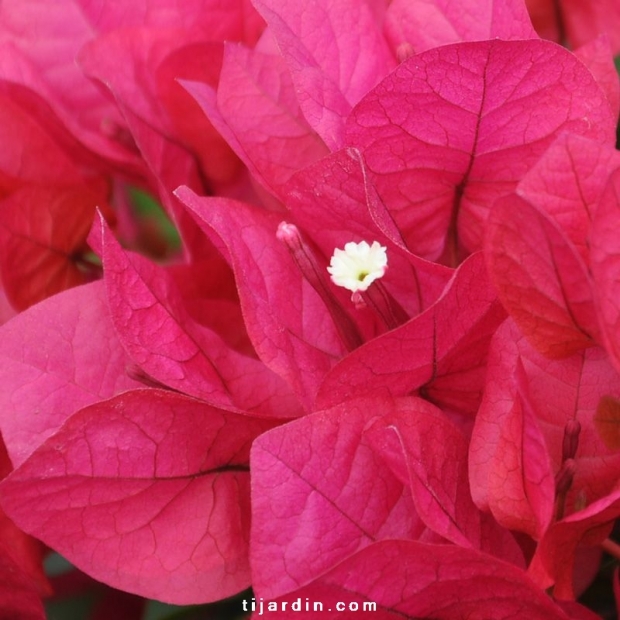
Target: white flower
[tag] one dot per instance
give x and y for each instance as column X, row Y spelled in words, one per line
column 358, row 265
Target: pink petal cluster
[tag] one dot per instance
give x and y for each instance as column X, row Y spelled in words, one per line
column 184, row 425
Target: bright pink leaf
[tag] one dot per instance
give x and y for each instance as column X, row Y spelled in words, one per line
column 43, row 234
column 186, row 121
column 576, row 21
column 332, row 202
column 159, row 335
column 319, row 494
column 442, row 352
column 169, row 163
column 542, row 281
column 288, row 323
column 18, row 596
column 332, row 64
column 454, row 128
column 510, row 470
column 110, row 490
column 518, row 442
column 605, row 261
column 410, row 579
column 217, row 20
column 568, row 182
column 57, row 357
column 17, row 547
column 554, row 561
column 423, row 24
column 598, row 57
column 39, row 42
column 256, row 109
column 428, row 451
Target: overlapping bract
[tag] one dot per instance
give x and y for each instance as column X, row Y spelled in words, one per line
column 444, row 444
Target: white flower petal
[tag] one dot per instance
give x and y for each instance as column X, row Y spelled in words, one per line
column 358, row 265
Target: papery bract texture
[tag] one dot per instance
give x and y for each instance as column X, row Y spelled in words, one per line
column 18, row 597
column 518, row 438
column 456, row 127
column 148, row 492
column 42, row 183
column 77, row 360
column 417, row 580
column 442, row 352
column 332, row 64
column 539, row 246
column 540, row 278
column 319, row 494
column 256, row 109
column 554, row 561
column 288, row 323
column 576, row 21
column 429, row 453
column 606, row 265
column 567, row 184
column 598, row 57
column 170, row 347
column 334, row 203
column 423, row 24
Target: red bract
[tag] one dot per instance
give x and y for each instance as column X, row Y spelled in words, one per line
column 256, row 109
column 541, row 279
column 332, row 65
column 171, row 348
column 147, row 492
column 21, row 571
column 18, row 597
column 334, row 202
column 454, row 128
column 539, row 245
column 554, row 561
column 424, row 25
column 273, row 294
column 47, row 202
column 39, row 42
column 567, row 184
column 331, row 321
column 57, row 357
column 536, row 422
column 319, row 494
column 597, row 56
column 429, row 454
column 606, row 266
column 441, row 353
column 417, row 580
column 154, row 59
column 577, row 21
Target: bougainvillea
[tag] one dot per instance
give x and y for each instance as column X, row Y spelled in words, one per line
column 380, row 371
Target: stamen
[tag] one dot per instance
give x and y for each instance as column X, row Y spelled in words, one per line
column 358, row 268
column 570, row 442
column 313, row 273
column 404, row 51
column 563, row 482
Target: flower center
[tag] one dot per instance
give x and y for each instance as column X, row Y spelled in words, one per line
column 358, row 265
